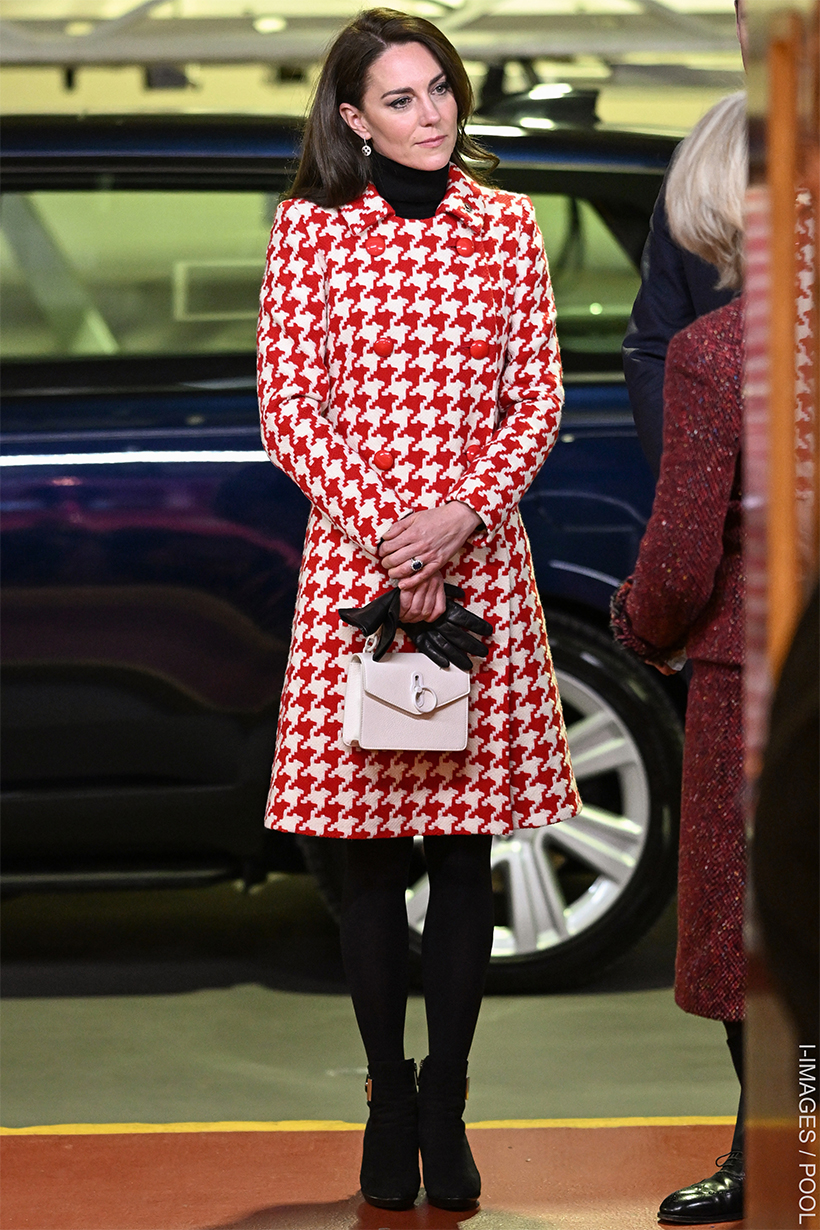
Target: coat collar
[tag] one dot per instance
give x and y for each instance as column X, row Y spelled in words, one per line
column 463, row 200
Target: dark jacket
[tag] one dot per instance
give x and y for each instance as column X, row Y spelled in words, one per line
column 676, row 288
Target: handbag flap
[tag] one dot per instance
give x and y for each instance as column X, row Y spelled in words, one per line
column 399, row 677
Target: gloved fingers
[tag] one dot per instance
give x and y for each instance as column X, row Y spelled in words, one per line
column 462, row 617
column 356, row 617
column 446, row 641
column 446, row 647
column 385, row 638
column 462, row 639
column 368, row 619
column 391, row 622
column 420, row 636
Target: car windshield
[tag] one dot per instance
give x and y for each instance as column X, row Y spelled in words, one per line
column 150, row 273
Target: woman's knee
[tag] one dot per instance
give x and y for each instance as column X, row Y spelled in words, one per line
column 458, row 859
column 377, row 862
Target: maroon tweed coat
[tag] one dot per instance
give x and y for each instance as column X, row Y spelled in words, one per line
column 687, row 593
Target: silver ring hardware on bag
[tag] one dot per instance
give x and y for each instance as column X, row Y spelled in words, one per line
column 418, row 690
column 416, row 564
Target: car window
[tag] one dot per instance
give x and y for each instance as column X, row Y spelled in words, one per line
column 130, row 273
column 594, row 280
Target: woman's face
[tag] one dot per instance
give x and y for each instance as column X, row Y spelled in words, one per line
column 408, row 112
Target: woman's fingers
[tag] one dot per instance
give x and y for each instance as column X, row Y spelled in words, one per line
column 400, row 527
column 407, row 578
column 425, row 602
column 440, row 605
column 439, row 602
column 398, row 559
column 663, row 668
column 416, row 606
column 433, row 536
column 403, row 570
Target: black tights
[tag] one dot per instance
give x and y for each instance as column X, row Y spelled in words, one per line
column 458, row 934
column 734, row 1041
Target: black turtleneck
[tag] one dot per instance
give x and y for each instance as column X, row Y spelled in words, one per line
column 411, row 192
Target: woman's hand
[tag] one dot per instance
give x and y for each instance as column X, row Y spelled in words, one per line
column 425, row 601
column 433, row 536
column 663, row 668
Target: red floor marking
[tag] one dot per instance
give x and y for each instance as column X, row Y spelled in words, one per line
column 533, row 1179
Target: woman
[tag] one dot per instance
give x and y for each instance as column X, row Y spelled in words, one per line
column 686, row 598
column 410, row 383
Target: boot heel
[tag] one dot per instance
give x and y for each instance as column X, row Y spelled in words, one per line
column 451, row 1178
column 390, row 1177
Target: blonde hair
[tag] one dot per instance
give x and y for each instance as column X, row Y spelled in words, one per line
column 706, row 187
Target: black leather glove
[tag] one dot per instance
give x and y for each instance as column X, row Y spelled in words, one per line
column 382, row 612
column 446, row 640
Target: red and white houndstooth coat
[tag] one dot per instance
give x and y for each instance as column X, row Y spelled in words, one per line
column 431, row 342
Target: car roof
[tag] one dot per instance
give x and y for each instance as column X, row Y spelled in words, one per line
column 43, row 139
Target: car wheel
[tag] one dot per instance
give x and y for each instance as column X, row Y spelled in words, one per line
column 571, row 898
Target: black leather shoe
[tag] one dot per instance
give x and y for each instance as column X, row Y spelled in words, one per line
column 390, row 1177
column 712, row 1200
column 451, row 1178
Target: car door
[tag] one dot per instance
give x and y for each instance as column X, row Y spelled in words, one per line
column 150, row 550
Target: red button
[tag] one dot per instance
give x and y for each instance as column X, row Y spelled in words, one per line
column 479, row 350
column 375, row 245
column 465, row 247
column 384, row 460
column 383, row 347
column 473, row 451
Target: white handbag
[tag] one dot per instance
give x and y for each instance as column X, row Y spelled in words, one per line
column 405, row 703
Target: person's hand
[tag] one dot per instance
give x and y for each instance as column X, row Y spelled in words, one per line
column 663, row 668
column 433, row 536
column 450, row 639
column 424, row 602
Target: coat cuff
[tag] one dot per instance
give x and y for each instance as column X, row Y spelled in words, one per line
column 624, row 633
column 472, row 491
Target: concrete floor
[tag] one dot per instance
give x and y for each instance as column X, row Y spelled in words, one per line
column 206, row 1006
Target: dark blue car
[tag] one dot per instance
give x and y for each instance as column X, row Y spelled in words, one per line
column 150, row 550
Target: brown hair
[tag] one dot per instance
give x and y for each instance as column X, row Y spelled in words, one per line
column 332, row 170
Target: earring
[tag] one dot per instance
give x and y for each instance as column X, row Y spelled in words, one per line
column 366, row 150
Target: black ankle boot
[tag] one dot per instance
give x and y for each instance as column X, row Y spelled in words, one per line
column 390, row 1176
column 451, row 1179
column 712, row 1200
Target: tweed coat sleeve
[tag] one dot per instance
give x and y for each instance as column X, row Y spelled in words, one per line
column 674, row 584
column 294, row 386
column 530, row 394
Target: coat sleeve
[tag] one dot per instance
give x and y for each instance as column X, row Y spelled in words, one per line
column 682, row 548
column 530, row 392
column 294, row 386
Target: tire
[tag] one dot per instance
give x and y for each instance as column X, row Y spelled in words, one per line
column 573, row 897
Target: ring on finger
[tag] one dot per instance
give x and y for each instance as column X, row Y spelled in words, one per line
column 416, row 564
